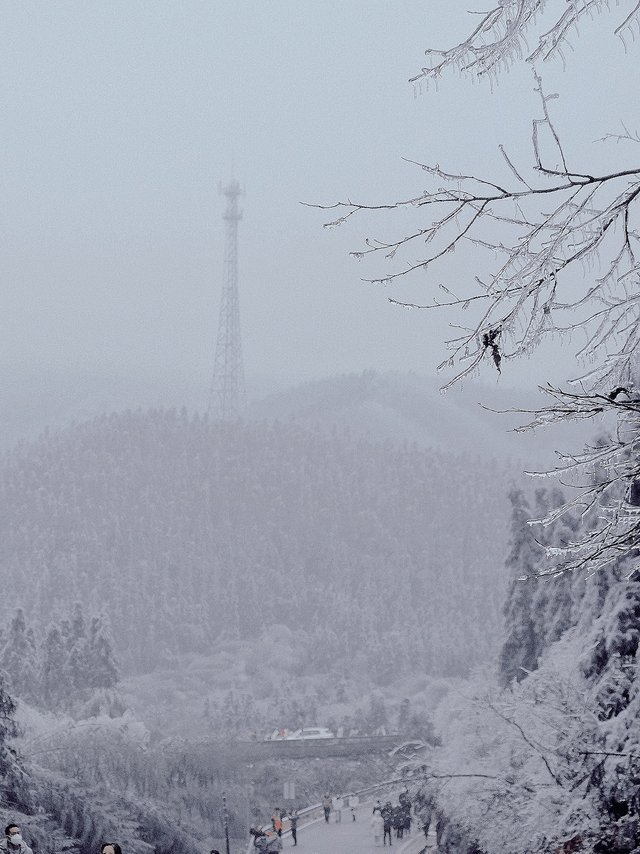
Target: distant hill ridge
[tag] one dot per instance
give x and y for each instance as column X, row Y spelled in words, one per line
column 376, row 405
column 407, row 406
column 182, row 528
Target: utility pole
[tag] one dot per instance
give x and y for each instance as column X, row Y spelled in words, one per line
column 227, row 386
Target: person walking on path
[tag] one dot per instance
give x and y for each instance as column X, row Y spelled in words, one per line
column 377, row 826
column 293, row 824
column 398, row 821
column 337, row 808
column 354, row 800
column 406, row 814
column 387, row 817
column 326, row 806
column 424, row 812
column 276, row 821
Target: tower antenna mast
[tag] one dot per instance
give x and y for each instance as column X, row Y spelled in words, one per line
column 227, row 386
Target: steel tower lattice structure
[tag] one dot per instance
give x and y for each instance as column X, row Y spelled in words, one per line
column 227, row 385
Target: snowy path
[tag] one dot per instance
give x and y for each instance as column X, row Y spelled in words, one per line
column 351, row 837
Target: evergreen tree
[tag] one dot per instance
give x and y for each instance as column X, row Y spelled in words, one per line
column 80, row 659
column 104, row 667
column 56, row 686
column 403, row 714
column 78, row 629
column 8, row 726
column 13, row 787
column 519, row 650
column 19, row 658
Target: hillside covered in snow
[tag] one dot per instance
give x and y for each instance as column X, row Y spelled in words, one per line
column 185, row 531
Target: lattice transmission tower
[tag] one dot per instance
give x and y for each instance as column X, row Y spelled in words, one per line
column 227, row 386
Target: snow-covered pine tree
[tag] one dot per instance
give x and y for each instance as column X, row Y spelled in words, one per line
column 8, row 726
column 80, row 659
column 104, row 667
column 19, row 658
column 518, row 655
column 55, row 681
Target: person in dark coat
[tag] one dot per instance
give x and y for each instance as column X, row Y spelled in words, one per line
column 293, row 824
column 398, row 821
column 387, row 816
column 406, row 814
column 260, row 841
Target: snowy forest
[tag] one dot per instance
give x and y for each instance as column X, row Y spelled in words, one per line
column 360, row 552
column 185, row 532
column 168, row 569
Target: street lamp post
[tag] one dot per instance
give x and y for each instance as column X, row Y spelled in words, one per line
column 225, row 816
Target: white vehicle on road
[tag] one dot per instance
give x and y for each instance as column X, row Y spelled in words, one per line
column 278, row 735
column 310, row 732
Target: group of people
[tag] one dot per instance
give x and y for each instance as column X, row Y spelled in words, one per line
column 269, row 841
column 266, row 841
column 386, row 818
column 13, row 843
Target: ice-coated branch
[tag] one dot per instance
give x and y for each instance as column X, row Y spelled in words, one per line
column 542, row 238
column 550, row 250
column 502, row 35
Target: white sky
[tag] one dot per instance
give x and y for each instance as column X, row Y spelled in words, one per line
column 121, row 117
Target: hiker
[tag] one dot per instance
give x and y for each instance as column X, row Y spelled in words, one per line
column 293, row 824
column 354, row 800
column 337, row 808
column 387, row 817
column 326, row 806
column 377, row 826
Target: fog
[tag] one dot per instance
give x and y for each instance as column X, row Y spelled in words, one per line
column 119, row 121
column 357, row 553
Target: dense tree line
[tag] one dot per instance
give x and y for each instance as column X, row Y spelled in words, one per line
column 60, row 667
column 183, row 530
column 75, row 812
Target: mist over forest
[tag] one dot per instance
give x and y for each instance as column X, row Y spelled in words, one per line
column 178, row 577
column 379, row 536
column 182, row 584
column 186, row 531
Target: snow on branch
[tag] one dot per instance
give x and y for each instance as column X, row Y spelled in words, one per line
column 561, row 247
column 554, row 251
column 501, row 37
column 606, row 474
